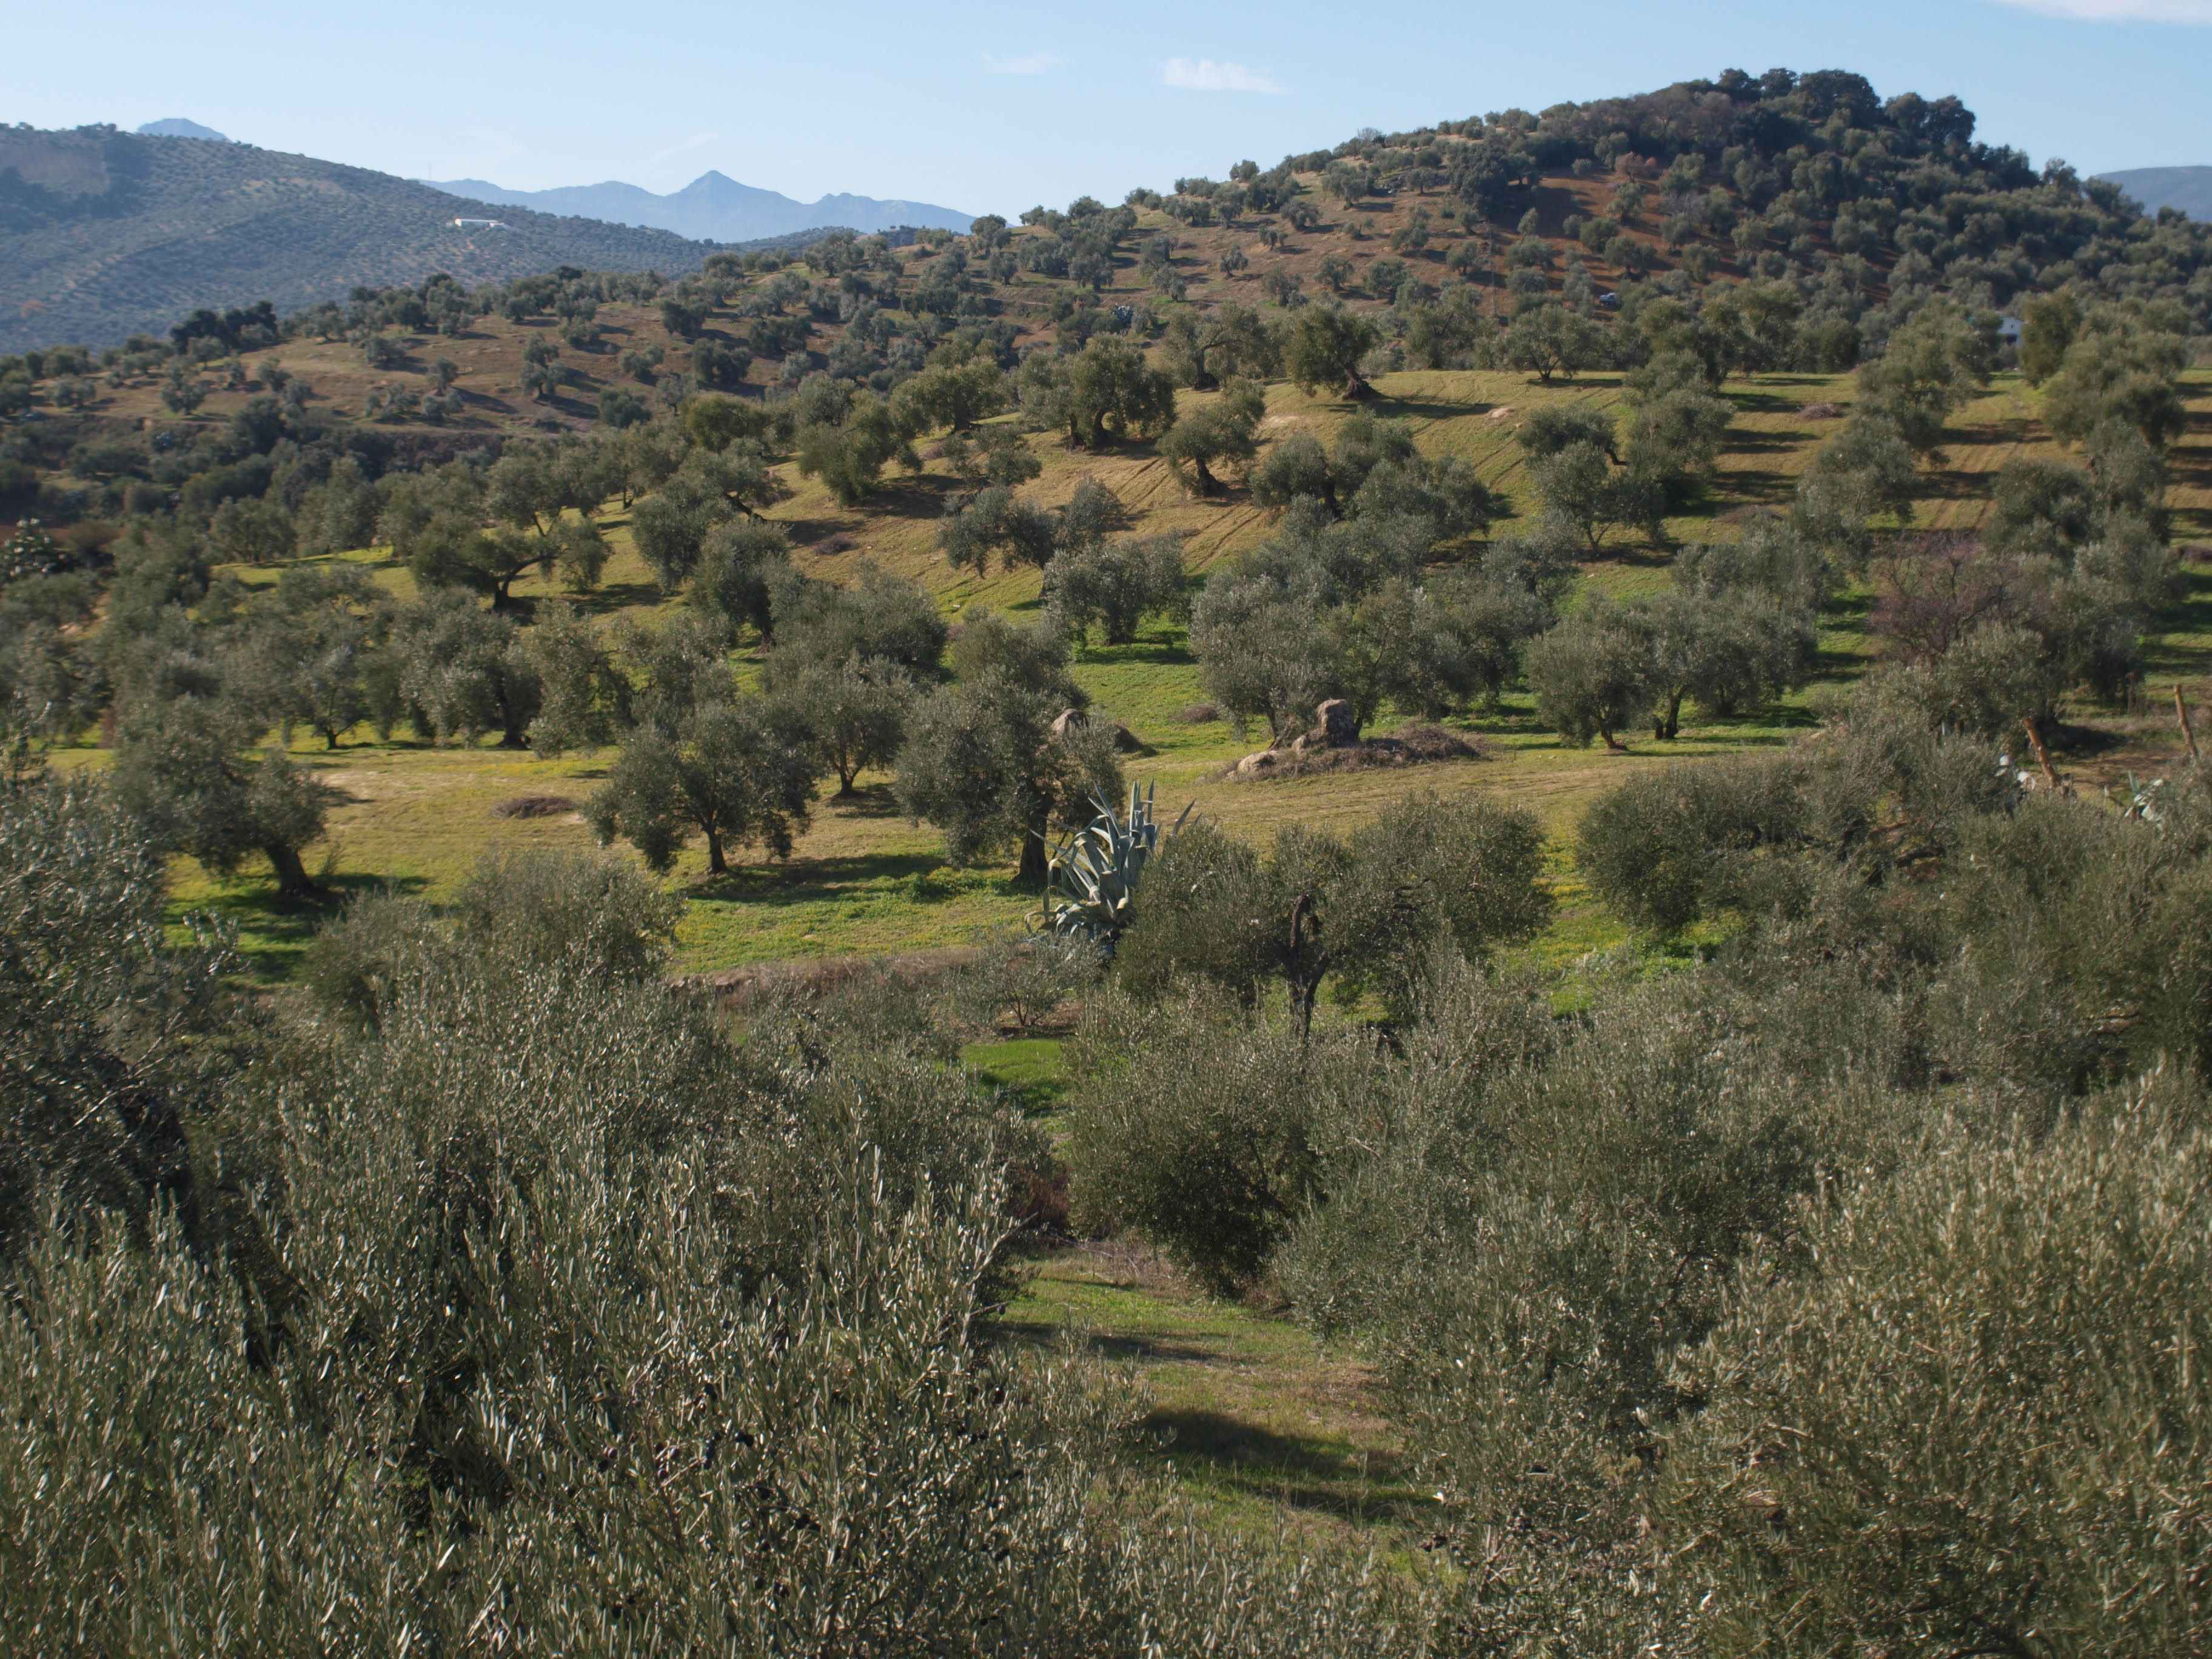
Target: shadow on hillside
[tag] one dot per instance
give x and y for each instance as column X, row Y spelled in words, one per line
column 1427, row 409
column 609, row 598
column 916, row 497
column 2192, row 468
column 1154, row 652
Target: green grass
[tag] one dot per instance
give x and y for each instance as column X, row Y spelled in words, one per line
column 1030, row 1069
column 1251, row 1415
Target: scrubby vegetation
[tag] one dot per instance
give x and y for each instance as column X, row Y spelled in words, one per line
column 1737, row 1107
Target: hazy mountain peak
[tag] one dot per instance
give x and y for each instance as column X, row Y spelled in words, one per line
column 175, row 126
column 714, row 207
column 2189, row 189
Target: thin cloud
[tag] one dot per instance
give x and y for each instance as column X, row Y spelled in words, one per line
column 2120, row 11
column 1204, row 75
column 1033, row 63
column 677, row 149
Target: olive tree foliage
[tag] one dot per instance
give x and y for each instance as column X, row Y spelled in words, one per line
column 1730, row 646
column 855, row 661
column 953, row 393
column 1928, row 369
column 51, row 684
column 302, row 651
column 981, row 759
column 1204, row 350
column 1325, row 348
column 1588, row 475
column 1861, row 483
column 707, row 489
column 1375, row 470
column 183, row 771
column 1113, row 585
column 1336, row 603
column 1363, row 914
column 879, row 616
column 108, row 1029
column 1979, row 1368
column 391, row 1288
column 2119, row 370
column 1576, row 464
column 454, row 672
column 849, row 452
column 1548, row 340
column 734, row 770
column 1718, row 1263
column 1219, row 1159
column 741, row 563
column 1224, row 430
column 584, row 697
column 1593, row 674
column 1105, row 393
column 1024, row 533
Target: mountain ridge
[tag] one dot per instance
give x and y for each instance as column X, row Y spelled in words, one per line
column 104, row 233
column 713, row 207
column 2188, row 189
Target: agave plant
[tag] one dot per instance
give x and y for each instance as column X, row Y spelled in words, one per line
column 1090, row 884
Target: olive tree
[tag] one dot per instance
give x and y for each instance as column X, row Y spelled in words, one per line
column 1592, row 674
column 1325, row 348
column 733, row 769
column 182, row 768
column 982, row 759
column 1224, row 430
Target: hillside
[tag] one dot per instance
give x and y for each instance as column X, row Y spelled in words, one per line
column 2185, row 189
column 716, row 208
column 106, row 234
column 1650, row 1102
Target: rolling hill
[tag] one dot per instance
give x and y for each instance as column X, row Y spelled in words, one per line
column 2189, row 189
column 104, row 234
column 714, row 207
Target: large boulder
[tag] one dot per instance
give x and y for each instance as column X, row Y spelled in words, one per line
column 1335, row 727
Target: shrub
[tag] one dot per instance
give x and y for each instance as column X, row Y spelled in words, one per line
column 1976, row 1422
column 1666, row 848
column 1214, row 1158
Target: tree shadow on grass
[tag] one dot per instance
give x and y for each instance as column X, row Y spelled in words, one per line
column 1155, row 653
column 867, row 801
column 274, row 929
column 807, row 881
column 1304, row 1472
column 1427, row 409
column 609, row 598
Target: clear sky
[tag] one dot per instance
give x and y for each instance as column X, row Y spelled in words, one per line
column 987, row 106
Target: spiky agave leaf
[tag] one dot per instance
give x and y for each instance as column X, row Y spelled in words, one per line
column 1091, row 881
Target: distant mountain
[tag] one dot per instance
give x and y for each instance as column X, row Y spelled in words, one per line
column 714, row 207
column 177, row 127
column 2189, row 189
column 104, row 234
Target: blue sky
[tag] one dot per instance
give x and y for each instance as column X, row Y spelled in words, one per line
column 987, row 106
